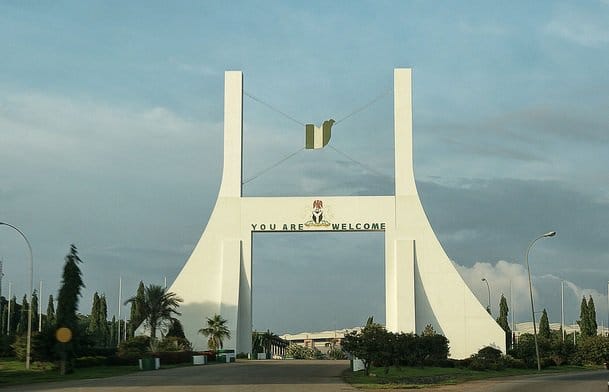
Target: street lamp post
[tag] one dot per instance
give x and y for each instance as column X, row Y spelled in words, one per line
column 526, row 259
column 29, row 320
column 488, row 308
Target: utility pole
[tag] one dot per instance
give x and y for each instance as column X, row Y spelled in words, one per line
column 1, row 275
column 40, row 309
column 562, row 309
column 120, row 293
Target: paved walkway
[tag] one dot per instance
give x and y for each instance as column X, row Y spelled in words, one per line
column 271, row 376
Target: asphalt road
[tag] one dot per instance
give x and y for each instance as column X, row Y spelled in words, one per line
column 565, row 382
column 300, row 376
column 271, row 376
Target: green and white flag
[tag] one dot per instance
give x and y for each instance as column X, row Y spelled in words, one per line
column 318, row 137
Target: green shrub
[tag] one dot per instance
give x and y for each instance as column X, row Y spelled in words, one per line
column 299, row 352
column 173, row 343
column 336, row 353
column 487, row 358
column 593, row 350
column 135, row 347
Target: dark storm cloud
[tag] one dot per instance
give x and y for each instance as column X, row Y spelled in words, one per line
column 488, row 220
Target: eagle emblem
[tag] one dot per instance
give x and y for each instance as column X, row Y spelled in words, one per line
column 317, row 215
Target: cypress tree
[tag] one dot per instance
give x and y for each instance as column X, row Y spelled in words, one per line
column 22, row 323
column 3, row 315
column 592, row 325
column 94, row 327
column 71, row 286
column 67, row 303
column 502, row 320
column 583, row 318
column 14, row 315
column 103, row 320
column 113, row 340
column 544, row 326
column 35, row 314
column 138, row 309
column 50, row 320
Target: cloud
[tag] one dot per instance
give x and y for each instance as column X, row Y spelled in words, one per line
column 546, row 292
column 581, row 26
column 488, row 220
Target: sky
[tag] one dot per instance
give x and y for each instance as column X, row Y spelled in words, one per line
column 111, row 139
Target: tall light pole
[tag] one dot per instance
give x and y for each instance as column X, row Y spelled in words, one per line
column 29, row 319
column 562, row 309
column 488, row 308
column 526, row 259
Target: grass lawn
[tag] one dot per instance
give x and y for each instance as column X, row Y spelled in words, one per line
column 415, row 377
column 12, row 372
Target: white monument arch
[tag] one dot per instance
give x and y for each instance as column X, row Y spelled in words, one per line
column 421, row 284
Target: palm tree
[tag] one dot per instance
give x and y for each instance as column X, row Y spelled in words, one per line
column 268, row 338
column 216, row 331
column 159, row 307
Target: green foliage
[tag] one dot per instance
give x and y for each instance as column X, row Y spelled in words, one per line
column 593, row 350
column 428, row 331
column 544, row 326
column 300, row 352
column 50, row 319
column 175, row 329
column 35, row 313
column 174, row 343
column 216, row 331
column 135, row 347
column 159, row 307
column 336, row 353
column 592, row 325
column 525, row 350
column 138, row 312
column 487, row 358
column 373, row 344
column 70, row 290
column 22, row 324
column 502, row 320
column 587, row 318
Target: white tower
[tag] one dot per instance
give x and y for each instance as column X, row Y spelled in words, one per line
column 421, row 284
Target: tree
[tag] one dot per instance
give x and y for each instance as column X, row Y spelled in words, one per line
column 113, row 340
column 102, row 316
column 159, row 307
column 93, row 327
column 98, row 323
column 50, row 320
column 137, row 309
column 22, row 324
column 175, row 329
column 67, row 305
column 587, row 318
column 70, row 291
column 502, row 320
column 428, row 331
column 592, row 325
column 370, row 345
column 216, row 331
column 35, row 313
column 14, row 315
column 544, row 326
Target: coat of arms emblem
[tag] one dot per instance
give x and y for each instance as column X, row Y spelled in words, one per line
column 317, row 215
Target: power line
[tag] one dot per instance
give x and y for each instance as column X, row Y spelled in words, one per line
column 272, row 166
